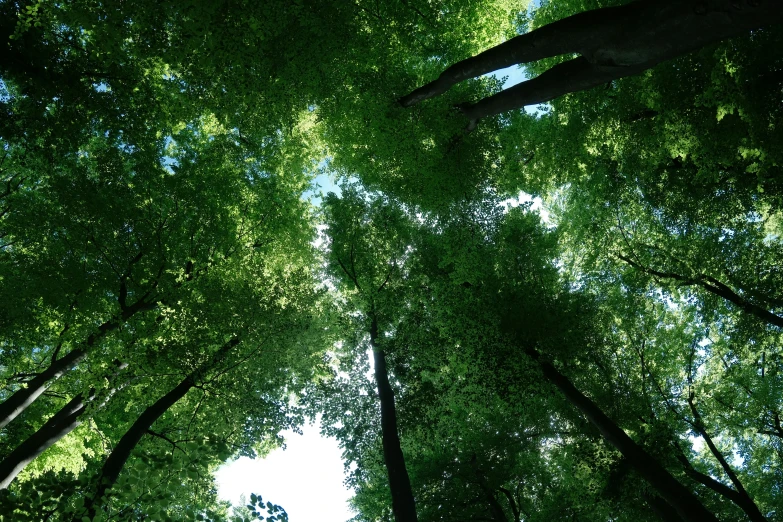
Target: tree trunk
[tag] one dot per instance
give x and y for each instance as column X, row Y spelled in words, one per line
column 21, row 399
column 742, row 498
column 613, row 43
column 57, row 427
column 574, row 75
column 568, row 35
column 661, row 508
column 119, row 456
column 675, row 494
column 403, row 504
column 512, row 503
column 718, row 487
column 498, row 515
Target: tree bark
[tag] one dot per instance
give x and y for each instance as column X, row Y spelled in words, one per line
column 512, row 503
column 403, row 504
column 675, row 494
column 498, row 515
column 568, row 35
column 718, row 487
column 22, row 398
column 574, row 75
column 119, row 456
column 613, row 42
column 57, row 427
column 661, row 508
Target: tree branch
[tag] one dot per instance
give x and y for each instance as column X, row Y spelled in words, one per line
column 712, row 285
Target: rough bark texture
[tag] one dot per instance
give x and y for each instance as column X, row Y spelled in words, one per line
column 57, row 427
column 613, row 43
column 688, row 507
column 403, row 504
column 119, row 456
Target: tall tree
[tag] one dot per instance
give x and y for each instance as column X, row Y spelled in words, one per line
column 613, row 42
column 368, row 243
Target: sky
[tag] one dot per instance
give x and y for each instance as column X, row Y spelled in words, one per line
column 514, row 75
column 306, row 478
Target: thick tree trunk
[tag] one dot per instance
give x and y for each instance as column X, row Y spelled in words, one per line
column 21, row 399
column 569, row 35
column 574, row 75
column 57, row 427
column 675, row 494
column 613, row 43
column 403, row 504
column 661, row 508
column 119, row 456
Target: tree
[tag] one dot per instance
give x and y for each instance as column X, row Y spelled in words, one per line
column 144, row 247
column 68, row 418
column 646, row 465
column 619, row 361
column 613, row 42
column 119, row 456
column 368, row 243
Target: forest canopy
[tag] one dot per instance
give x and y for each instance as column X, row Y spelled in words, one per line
column 171, row 298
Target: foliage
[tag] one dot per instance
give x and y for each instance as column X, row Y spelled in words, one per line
column 152, row 221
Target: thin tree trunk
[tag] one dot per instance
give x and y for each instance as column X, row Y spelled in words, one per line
column 119, row 456
column 512, row 503
column 675, row 494
column 57, row 427
column 718, row 487
column 498, row 515
column 614, row 42
column 715, row 287
column 742, row 498
column 22, row 398
column 403, row 504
